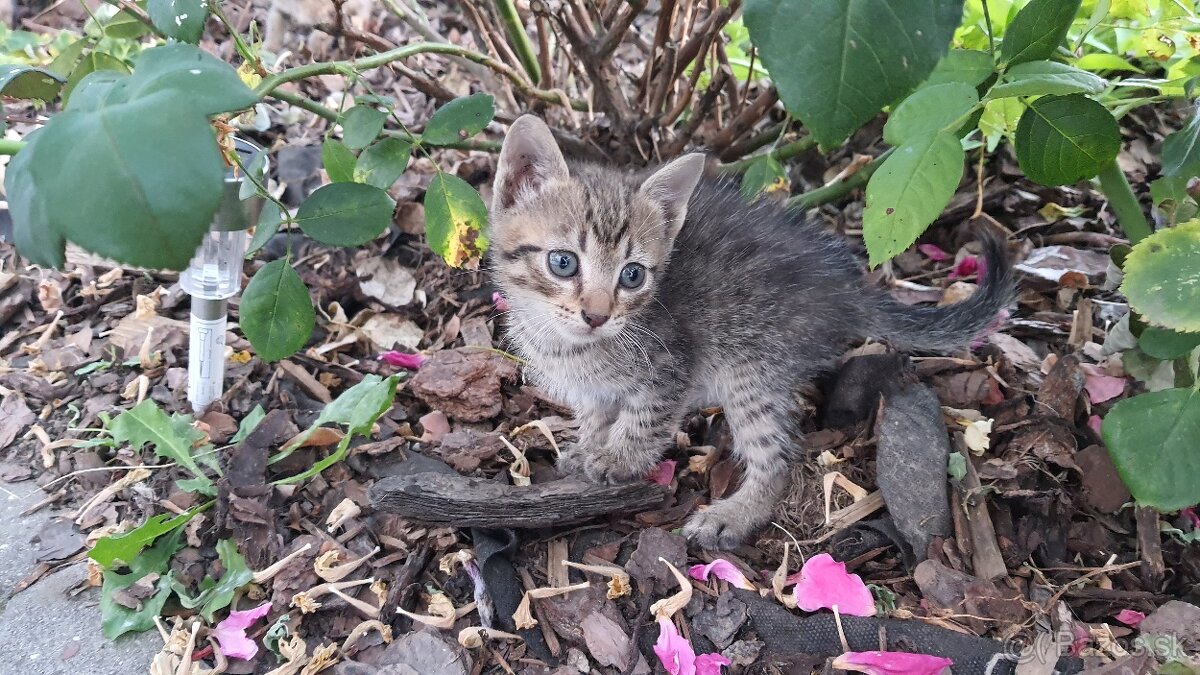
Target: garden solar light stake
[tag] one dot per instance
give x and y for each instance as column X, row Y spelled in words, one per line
column 214, row 275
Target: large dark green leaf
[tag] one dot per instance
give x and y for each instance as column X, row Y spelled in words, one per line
column 1066, row 139
column 1165, row 344
column 182, row 20
column 20, row 81
column 276, row 313
column 1154, row 441
column 836, row 63
column 345, row 214
column 930, row 108
column 338, row 160
column 1038, row 78
column 131, row 169
column 459, row 119
column 1037, row 30
column 1181, row 151
column 455, row 221
column 1162, row 277
column 909, row 191
column 361, row 125
column 382, row 163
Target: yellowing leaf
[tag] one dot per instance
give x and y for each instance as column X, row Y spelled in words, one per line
column 455, row 218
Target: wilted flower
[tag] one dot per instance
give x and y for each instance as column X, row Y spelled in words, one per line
column 824, row 582
column 933, row 252
column 402, row 360
column 677, row 655
column 968, row 266
column 892, row 663
column 663, row 473
column 231, row 633
column 724, row 570
column 1130, row 617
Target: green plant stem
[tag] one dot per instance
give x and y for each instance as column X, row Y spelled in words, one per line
column 1123, row 202
column 830, row 193
column 520, row 39
column 214, row 6
column 8, row 147
column 270, row 84
column 780, row 154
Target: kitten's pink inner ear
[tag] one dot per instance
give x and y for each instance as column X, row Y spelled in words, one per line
column 529, row 159
column 672, row 187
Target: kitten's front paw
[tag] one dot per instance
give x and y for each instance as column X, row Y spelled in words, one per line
column 725, row 525
column 614, row 470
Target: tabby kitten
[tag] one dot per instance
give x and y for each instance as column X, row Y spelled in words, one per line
column 637, row 300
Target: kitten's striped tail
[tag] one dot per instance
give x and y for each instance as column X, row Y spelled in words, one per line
column 952, row 326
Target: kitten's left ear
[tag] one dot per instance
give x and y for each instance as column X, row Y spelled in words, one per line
column 671, row 187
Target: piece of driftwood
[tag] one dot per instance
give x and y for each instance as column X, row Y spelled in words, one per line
column 475, row 502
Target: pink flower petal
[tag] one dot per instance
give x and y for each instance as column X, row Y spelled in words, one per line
column 1101, row 386
column 722, row 569
column 1082, row 639
column 500, row 302
column 710, row 664
column 1094, row 423
column 1130, row 617
column 968, row 266
column 892, row 663
column 824, row 583
column 676, row 654
column 402, row 360
column 663, row 473
column 231, row 633
column 1190, row 514
column 933, row 252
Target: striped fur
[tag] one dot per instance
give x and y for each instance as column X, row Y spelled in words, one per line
column 743, row 304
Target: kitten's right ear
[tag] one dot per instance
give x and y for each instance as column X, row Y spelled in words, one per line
column 529, row 159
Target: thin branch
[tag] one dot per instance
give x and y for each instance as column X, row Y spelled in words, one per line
column 835, row 191
column 136, row 12
column 612, row 39
column 744, row 121
column 270, row 84
column 520, row 39
column 699, row 112
column 780, row 154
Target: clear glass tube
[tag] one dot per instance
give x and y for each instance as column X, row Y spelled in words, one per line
column 215, row 272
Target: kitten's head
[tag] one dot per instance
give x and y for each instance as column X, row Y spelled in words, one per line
column 581, row 254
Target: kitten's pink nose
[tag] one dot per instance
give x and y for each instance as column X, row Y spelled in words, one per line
column 593, row 320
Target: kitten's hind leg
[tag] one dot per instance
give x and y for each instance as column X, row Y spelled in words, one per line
column 760, row 422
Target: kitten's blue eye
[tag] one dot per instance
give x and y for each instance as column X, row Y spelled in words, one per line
column 633, row 275
column 563, row 263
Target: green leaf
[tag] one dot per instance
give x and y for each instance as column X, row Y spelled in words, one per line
column 968, row 66
column 357, row 408
column 1162, row 277
column 345, row 214
column 1065, row 139
column 269, row 220
column 338, row 160
column 1105, row 62
column 181, row 20
column 20, row 81
column 1181, row 151
column 123, row 549
column 999, row 120
column 1037, row 30
column 836, row 63
column 928, row 110
column 64, row 64
column 116, row 619
column 361, row 125
column 1165, row 344
column 277, row 315
column 1172, row 199
column 382, row 163
column 956, row 468
column 131, row 169
column 172, row 438
column 1038, row 78
column 249, row 423
column 1154, row 441
column 94, row 62
column 124, row 26
column 216, row 595
column 909, row 191
column 455, row 221
column 459, row 119
column 765, row 174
